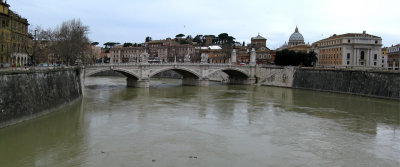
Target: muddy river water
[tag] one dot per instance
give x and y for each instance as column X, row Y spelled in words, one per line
column 217, row 126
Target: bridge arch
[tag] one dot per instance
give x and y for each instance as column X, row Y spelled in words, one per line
column 124, row 72
column 185, row 72
column 233, row 72
column 236, row 75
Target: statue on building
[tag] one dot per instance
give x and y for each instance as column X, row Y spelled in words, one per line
column 253, row 56
column 144, row 58
column 233, row 56
column 163, row 59
column 187, row 58
column 204, row 58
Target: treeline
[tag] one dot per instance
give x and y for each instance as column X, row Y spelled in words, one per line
column 292, row 58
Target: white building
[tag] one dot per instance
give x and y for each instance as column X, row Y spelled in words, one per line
column 350, row 50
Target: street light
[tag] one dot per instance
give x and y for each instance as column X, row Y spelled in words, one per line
column 34, row 52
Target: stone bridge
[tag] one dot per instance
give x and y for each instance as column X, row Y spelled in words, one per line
column 139, row 74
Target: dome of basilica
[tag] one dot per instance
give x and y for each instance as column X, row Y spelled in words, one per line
column 296, row 36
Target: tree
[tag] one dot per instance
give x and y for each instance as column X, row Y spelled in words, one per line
column 230, row 40
column 292, row 58
column 110, row 44
column 184, row 41
column 310, row 59
column 222, row 38
column 148, row 39
column 198, row 39
column 94, row 43
column 179, row 35
column 244, row 44
column 127, row 44
column 71, row 41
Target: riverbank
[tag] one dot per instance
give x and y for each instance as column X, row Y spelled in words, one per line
column 32, row 93
column 380, row 84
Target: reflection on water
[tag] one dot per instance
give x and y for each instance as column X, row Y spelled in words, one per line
column 220, row 125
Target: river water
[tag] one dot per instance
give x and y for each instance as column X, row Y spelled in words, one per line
column 219, row 126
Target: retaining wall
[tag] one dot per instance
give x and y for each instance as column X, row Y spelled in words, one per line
column 383, row 84
column 27, row 94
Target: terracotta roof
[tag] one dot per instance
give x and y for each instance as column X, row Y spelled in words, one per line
column 258, row 37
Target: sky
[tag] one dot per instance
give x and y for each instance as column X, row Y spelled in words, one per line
column 133, row 20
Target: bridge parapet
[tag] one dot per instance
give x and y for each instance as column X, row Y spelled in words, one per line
column 198, row 74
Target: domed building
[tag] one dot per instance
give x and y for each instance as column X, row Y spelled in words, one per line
column 296, row 42
column 296, row 38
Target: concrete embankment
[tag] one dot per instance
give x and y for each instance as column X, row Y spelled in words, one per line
column 382, row 84
column 28, row 94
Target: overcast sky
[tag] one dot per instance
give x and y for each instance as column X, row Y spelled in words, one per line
column 133, row 20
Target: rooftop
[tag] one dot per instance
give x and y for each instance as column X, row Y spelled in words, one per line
column 258, row 37
column 351, row 35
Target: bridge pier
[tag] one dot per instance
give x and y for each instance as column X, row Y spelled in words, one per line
column 195, row 82
column 242, row 81
column 134, row 83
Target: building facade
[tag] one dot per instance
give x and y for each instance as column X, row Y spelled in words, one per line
column 384, row 58
column 126, row 54
column 14, row 37
column 351, row 49
column 160, row 51
column 259, row 43
column 393, row 57
column 5, row 38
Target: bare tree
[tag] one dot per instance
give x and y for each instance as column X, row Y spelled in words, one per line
column 39, row 44
column 71, row 41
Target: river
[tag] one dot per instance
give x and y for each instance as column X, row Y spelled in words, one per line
column 217, row 126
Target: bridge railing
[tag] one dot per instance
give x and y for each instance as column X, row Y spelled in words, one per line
column 162, row 64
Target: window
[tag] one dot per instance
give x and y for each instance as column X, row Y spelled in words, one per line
column 348, row 55
column 374, row 63
column 375, row 56
column 362, row 56
column 348, row 41
column 376, row 42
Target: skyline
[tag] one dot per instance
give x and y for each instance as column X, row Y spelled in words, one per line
column 132, row 21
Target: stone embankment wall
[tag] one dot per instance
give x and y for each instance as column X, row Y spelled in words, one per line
column 383, row 84
column 27, row 94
